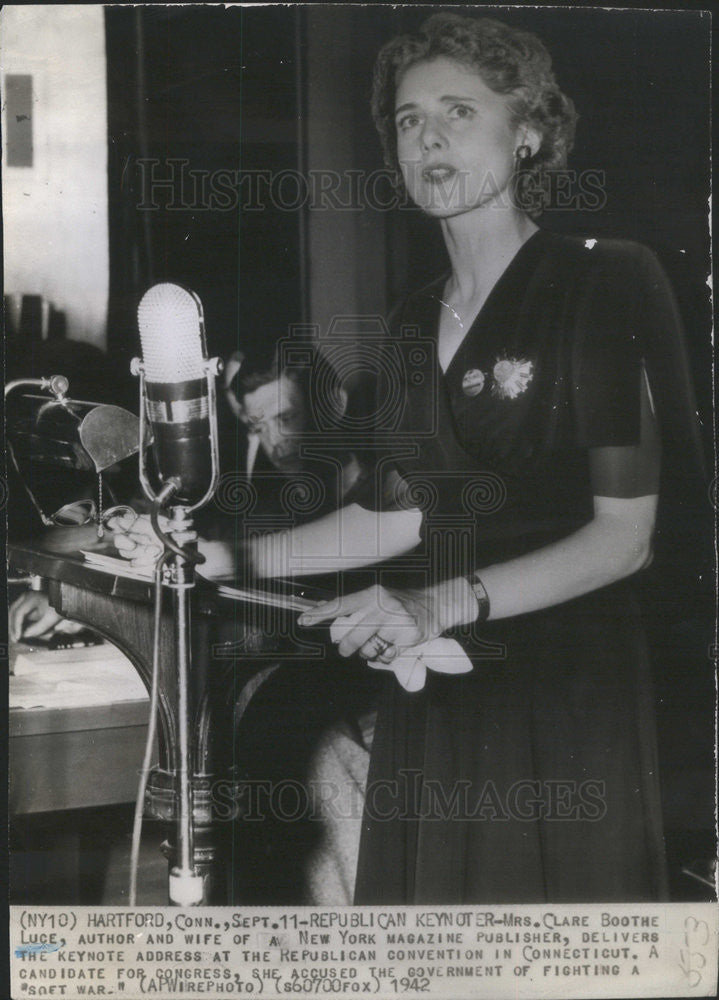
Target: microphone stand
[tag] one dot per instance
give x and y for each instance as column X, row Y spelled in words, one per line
column 186, row 885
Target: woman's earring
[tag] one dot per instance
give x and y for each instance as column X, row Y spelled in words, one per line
column 523, row 154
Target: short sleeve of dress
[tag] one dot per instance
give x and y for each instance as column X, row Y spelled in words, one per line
column 631, row 470
column 631, row 380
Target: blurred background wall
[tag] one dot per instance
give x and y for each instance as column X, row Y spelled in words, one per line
column 55, row 205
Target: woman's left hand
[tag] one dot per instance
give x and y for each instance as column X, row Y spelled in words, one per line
column 399, row 618
column 135, row 538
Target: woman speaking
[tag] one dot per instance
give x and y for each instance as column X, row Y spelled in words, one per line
column 532, row 776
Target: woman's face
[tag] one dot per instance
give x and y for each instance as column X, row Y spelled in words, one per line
column 456, row 140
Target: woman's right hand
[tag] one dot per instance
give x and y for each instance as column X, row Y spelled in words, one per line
column 31, row 616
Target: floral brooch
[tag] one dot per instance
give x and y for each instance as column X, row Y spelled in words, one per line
column 511, row 377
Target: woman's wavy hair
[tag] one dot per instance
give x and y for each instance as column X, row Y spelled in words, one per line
column 509, row 61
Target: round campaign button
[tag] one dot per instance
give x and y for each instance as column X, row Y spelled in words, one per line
column 472, row 382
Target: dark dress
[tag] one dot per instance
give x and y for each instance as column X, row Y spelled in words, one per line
column 533, row 778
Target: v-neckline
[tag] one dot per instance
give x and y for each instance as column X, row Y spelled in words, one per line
column 484, row 308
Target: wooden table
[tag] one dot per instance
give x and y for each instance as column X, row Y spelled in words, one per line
column 229, row 646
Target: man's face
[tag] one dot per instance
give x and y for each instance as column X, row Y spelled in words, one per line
column 278, row 414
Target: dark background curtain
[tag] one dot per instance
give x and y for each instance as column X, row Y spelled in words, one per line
column 198, row 97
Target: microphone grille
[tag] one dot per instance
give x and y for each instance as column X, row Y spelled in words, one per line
column 170, row 321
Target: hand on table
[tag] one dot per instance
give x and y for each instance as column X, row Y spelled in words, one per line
column 135, row 538
column 31, row 617
column 136, row 541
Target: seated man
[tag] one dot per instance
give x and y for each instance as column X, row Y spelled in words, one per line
column 287, row 764
column 273, row 405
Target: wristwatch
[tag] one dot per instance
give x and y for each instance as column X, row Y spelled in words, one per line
column 479, row 591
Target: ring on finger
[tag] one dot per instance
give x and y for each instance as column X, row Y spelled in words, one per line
column 378, row 645
column 389, row 654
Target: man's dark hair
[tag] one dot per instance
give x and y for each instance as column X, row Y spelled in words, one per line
column 318, row 381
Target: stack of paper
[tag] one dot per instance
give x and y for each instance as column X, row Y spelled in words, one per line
column 117, row 565
column 290, row 602
column 65, row 678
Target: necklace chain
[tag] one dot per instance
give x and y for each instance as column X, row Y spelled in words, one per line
column 452, row 310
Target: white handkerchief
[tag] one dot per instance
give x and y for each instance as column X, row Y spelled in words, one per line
column 444, row 656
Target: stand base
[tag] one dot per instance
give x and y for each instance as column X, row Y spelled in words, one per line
column 186, row 888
